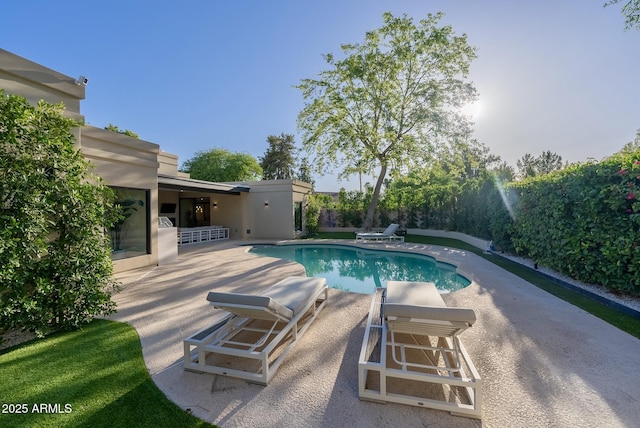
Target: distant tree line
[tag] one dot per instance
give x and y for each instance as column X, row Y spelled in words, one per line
column 279, row 162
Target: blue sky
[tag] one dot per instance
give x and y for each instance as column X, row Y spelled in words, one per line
column 555, row 75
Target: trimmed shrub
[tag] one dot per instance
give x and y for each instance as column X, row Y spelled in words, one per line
column 584, row 221
column 55, row 258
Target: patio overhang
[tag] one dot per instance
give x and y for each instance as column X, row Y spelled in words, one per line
column 168, row 182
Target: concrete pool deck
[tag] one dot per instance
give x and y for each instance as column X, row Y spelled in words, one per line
column 543, row 361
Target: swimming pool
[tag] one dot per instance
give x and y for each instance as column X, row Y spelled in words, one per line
column 359, row 270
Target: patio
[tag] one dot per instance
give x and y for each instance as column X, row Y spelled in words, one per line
column 543, row 361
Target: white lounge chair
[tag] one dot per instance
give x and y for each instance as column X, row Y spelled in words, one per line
column 389, row 234
column 251, row 339
column 412, row 354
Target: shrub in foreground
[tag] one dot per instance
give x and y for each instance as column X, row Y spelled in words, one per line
column 55, row 259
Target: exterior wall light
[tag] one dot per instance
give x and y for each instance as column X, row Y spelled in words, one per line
column 215, row 205
column 266, row 203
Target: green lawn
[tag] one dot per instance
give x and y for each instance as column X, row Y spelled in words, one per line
column 95, row 377
column 621, row 320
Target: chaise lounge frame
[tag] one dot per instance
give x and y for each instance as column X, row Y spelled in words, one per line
column 388, row 362
column 260, row 336
column 389, row 234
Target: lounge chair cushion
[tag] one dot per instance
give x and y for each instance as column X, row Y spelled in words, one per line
column 390, row 230
column 229, row 300
column 286, row 298
column 421, row 300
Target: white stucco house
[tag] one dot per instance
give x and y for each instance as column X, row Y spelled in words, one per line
column 146, row 179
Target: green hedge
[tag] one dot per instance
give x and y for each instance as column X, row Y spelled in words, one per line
column 583, row 221
column 55, row 258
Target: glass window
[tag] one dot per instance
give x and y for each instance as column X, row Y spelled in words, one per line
column 130, row 236
column 297, row 209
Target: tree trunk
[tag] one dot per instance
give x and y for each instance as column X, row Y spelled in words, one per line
column 368, row 221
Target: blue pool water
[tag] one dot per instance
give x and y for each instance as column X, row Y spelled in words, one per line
column 360, row 270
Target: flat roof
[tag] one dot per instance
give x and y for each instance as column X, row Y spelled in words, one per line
column 169, row 182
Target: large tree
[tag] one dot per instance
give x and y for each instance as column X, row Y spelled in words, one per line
column 304, row 172
column 222, row 165
column 630, row 11
column 389, row 100
column 278, row 161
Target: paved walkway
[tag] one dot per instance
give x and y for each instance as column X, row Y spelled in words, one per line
column 544, row 362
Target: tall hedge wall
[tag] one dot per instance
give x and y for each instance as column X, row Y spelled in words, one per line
column 583, row 221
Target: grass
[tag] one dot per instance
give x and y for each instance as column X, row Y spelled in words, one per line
column 614, row 317
column 95, row 377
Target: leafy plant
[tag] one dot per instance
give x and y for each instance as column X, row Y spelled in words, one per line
column 120, row 228
column 113, row 128
column 222, row 165
column 585, row 221
column 314, row 207
column 55, row 258
column 351, row 207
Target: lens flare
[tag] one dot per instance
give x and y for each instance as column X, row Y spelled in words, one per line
column 507, row 199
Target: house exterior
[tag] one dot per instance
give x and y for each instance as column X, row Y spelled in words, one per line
column 148, row 184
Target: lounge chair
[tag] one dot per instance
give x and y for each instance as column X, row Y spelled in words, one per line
column 412, row 354
column 251, row 339
column 389, row 234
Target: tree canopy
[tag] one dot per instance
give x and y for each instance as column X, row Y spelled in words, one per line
column 546, row 162
column 278, row 162
column 630, row 11
column 222, row 165
column 389, row 100
column 304, row 172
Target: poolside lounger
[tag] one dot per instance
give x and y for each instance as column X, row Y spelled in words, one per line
column 251, row 339
column 412, row 354
column 387, row 235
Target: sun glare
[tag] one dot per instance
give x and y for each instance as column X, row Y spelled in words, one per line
column 507, row 200
column 474, row 110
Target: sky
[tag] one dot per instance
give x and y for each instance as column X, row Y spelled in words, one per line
column 559, row 75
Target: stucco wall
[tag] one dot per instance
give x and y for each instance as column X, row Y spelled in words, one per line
column 22, row 77
column 275, row 220
column 123, row 161
column 230, row 213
